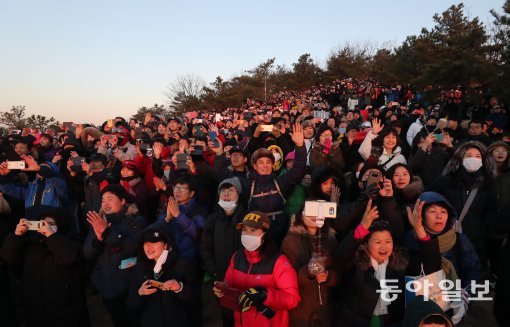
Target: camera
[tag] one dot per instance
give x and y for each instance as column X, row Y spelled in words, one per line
column 34, row 224
column 320, row 208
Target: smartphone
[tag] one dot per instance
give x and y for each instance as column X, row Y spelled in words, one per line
column 16, row 165
column 439, row 137
column 181, row 161
column 34, row 224
column 144, row 146
column 72, row 128
column 191, row 141
column 155, row 284
column 110, row 123
column 150, row 152
column 77, row 161
column 138, row 132
column 67, row 123
column 320, row 209
column 199, row 150
column 374, row 178
column 212, row 137
column 266, row 128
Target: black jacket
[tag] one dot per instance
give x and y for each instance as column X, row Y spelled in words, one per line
column 456, row 190
column 358, row 293
column 220, row 240
column 120, row 242
column 166, row 308
column 53, row 278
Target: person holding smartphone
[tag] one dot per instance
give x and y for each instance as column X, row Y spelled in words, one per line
column 164, row 289
column 54, row 274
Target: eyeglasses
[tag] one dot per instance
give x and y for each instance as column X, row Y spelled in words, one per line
column 503, row 151
column 236, row 155
column 181, row 188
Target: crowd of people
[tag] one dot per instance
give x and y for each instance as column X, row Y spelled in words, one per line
column 154, row 214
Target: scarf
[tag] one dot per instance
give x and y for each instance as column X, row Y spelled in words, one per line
column 446, row 243
column 380, row 274
column 161, row 261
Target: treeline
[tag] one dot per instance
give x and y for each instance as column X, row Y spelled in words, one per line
column 457, row 51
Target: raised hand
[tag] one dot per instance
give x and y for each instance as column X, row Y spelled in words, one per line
column 159, row 183
column 158, row 148
column 98, row 223
column 335, row 194
column 31, row 163
column 21, row 228
column 172, row 209
column 297, row 134
column 387, row 189
column 45, row 229
column 416, row 220
column 370, row 215
column 376, row 126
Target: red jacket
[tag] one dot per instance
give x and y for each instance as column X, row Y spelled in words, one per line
column 276, row 274
column 144, row 166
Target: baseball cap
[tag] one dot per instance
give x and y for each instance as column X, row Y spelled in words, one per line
column 255, row 219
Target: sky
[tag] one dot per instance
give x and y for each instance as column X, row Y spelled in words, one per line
column 88, row 61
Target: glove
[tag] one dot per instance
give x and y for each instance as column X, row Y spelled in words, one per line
column 252, row 297
column 371, row 191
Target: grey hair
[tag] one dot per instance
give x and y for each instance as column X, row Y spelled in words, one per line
column 489, row 165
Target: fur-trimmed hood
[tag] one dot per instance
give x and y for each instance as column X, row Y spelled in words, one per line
column 413, row 190
column 489, row 165
column 299, row 229
column 398, row 260
column 94, row 132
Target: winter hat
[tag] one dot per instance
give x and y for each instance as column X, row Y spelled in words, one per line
column 234, row 181
column 130, row 164
column 290, row 156
column 261, row 153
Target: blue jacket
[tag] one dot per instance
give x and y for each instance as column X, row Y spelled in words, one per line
column 56, row 192
column 187, row 229
column 462, row 255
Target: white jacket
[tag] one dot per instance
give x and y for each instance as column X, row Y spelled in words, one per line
column 366, row 148
column 413, row 130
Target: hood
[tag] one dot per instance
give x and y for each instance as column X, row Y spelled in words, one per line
column 433, row 197
column 413, row 190
column 299, row 229
column 131, row 210
column 489, row 165
column 61, row 217
column 419, row 309
column 94, row 132
column 53, row 167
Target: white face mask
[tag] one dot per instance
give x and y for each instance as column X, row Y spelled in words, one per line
column 227, row 205
column 166, row 173
column 276, row 156
column 250, row 242
column 472, row 164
